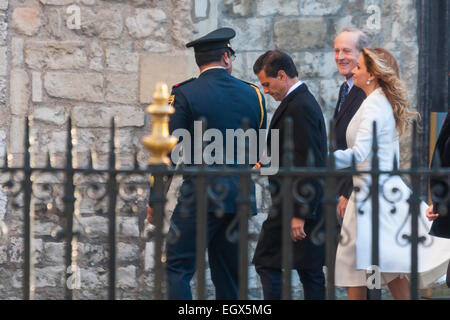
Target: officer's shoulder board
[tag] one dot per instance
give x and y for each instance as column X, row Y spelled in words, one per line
column 175, row 86
column 258, row 93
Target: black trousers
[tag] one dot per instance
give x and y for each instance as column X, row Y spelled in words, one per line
column 313, row 282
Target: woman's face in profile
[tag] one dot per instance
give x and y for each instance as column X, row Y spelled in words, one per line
column 360, row 74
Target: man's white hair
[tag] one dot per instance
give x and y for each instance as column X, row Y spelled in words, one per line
column 363, row 38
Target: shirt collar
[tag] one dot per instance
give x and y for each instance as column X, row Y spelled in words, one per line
column 215, row 67
column 350, row 84
column 295, row 86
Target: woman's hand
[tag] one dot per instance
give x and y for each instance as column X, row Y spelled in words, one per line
column 342, row 205
column 430, row 215
column 149, row 215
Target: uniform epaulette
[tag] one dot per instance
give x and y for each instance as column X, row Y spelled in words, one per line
column 260, row 100
column 250, row 84
column 181, row 83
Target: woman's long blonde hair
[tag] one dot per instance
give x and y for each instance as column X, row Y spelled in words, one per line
column 382, row 65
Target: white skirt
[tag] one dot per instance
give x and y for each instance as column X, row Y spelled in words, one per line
column 353, row 257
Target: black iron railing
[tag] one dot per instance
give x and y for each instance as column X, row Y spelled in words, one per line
column 328, row 177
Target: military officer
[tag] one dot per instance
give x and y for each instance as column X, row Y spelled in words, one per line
column 224, row 101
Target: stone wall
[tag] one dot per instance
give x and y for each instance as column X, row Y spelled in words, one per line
column 52, row 69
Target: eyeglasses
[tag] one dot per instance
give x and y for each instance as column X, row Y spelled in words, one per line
column 232, row 55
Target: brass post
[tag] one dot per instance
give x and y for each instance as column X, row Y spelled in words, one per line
column 159, row 143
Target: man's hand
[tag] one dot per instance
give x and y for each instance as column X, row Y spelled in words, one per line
column 149, row 215
column 342, row 205
column 430, row 215
column 297, row 231
column 257, row 165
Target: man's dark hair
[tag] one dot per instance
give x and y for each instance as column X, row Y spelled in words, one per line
column 206, row 57
column 273, row 61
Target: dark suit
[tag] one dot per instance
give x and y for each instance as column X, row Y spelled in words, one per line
column 309, row 133
column 224, row 101
column 342, row 118
column 441, row 226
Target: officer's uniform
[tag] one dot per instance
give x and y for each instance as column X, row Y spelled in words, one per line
column 224, row 101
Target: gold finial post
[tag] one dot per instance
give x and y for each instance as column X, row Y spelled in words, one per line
column 159, row 143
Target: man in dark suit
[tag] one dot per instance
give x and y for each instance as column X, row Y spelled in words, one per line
column 440, row 210
column 279, row 78
column 347, row 49
column 224, row 101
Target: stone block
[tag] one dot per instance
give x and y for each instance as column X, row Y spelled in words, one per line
column 96, row 56
column 122, row 88
column 201, row 9
column 3, row 254
column 127, row 252
column 145, row 22
column 36, row 86
column 4, row 28
column 54, row 252
column 122, row 58
column 93, row 278
column 251, row 34
column 55, row 54
column 54, row 23
column 238, row 8
column 181, row 29
column 155, row 46
column 315, row 64
column 54, row 115
column 17, row 45
column 58, row 141
column 88, row 2
column 15, row 250
column 277, row 7
column 149, row 256
column 329, row 92
column 97, row 226
column 3, row 61
column 37, row 251
column 170, row 69
column 104, row 24
column 128, row 226
column 57, row 2
column 49, row 277
column 291, row 34
column 100, row 117
column 19, row 92
column 91, row 254
column 26, row 20
column 129, row 116
column 76, row 86
column 46, row 228
column 320, row 7
column 4, row 4
column 126, row 277
column 3, row 84
column 16, row 135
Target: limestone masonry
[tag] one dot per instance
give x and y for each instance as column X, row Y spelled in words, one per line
column 94, row 59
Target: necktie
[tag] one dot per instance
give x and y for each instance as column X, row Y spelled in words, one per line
column 344, row 94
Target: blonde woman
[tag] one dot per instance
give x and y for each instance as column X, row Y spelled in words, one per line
column 377, row 74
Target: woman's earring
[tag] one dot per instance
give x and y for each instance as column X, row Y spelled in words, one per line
column 368, row 81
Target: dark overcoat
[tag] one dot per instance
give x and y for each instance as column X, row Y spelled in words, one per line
column 309, row 135
column 441, row 226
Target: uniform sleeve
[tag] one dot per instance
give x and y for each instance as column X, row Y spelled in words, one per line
column 264, row 121
column 363, row 143
column 183, row 115
column 180, row 119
